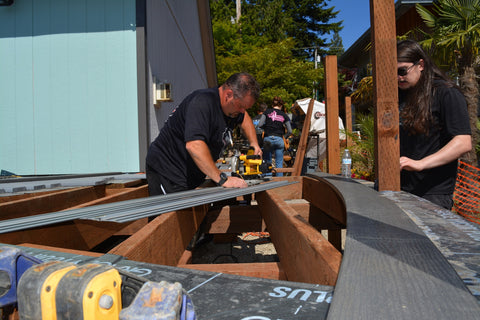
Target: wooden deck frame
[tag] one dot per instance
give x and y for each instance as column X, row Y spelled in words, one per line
column 77, row 234
column 165, row 239
column 23, row 206
column 296, row 240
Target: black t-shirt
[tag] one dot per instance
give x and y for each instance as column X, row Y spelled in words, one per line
column 274, row 122
column 198, row 117
column 450, row 118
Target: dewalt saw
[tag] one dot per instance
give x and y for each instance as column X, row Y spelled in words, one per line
column 64, row 291
column 250, row 165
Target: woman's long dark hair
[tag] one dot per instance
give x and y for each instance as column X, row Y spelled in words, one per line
column 416, row 114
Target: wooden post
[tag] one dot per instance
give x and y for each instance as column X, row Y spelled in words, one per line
column 348, row 120
column 331, row 111
column 384, row 60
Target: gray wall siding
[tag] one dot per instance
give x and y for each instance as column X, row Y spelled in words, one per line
column 68, row 87
column 175, row 54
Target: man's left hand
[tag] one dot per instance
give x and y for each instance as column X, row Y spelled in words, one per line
column 235, row 182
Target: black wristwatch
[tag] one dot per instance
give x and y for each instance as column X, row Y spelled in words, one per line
column 223, row 179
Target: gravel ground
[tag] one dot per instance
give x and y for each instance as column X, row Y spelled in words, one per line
column 244, row 248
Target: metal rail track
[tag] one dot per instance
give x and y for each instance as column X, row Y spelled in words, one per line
column 130, row 210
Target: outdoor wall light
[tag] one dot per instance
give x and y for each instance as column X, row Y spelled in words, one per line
column 161, row 91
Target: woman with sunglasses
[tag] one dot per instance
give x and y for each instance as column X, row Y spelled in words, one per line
column 434, row 126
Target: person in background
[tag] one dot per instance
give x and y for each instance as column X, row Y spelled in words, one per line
column 196, row 134
column 434, row 126
column 275, row 122
column 256, row 121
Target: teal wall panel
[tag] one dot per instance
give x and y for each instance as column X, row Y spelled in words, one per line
column 68, row 87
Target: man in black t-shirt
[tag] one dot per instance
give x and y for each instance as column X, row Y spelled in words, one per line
column 434, row 126
column 196, row 133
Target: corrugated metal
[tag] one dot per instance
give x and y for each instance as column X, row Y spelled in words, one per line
column 131, row 210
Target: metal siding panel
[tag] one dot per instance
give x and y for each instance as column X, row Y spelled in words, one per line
column 68, row 87
column 174, row 50
column 122, row 92
column 24, row 131
column 8, row 111
column 77, row 91
column 96, row 84
column 41, row 89
column 59, row 87
column 16, row 145
column 115, row 89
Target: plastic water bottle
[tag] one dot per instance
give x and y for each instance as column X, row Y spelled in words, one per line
column 346, row 164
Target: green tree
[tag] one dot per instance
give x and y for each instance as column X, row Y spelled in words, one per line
column 455, row 26
column 273, row 40
column 336, row 45
column 276, row 70
column 267, row 21
column 311, row 22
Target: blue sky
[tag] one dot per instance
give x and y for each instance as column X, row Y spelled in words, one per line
column 356, row 19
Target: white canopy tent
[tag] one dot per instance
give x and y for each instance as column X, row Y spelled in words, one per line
column 317, row 128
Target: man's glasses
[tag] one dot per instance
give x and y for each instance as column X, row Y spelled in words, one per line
column 403, row 71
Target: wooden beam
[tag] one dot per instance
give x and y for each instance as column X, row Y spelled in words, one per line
column 292, row 191
column 77, row 234
column 57, row 249
column 385, row 87
column 321, row 221
column 331, row 110
column 348, row 120
column 331, row 200
column 296, row 240
column 265, row 270
column 121, row 195
column 234, row 219
column 186, row 258
column 50, row 202
column 163, row 240
column 119, row 184
column 23, row 196
column 316, row 217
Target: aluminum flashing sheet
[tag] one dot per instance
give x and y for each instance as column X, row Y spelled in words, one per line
column 130, row 210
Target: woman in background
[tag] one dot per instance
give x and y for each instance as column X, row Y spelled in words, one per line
column 274, row 122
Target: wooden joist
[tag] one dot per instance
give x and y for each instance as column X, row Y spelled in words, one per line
column 118, row 195
column 234, row 219
column 296, row 240
column 163, row 240
column 76, row 234
column 50, row 202
column 265, row 270
column 323, row 195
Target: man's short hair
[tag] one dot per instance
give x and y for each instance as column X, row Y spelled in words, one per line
column 262, row 107
column 243, row 83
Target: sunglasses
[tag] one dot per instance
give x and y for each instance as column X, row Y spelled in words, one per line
column 403, row 71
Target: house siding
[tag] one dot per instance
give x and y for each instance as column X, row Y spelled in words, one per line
column 68, row 87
